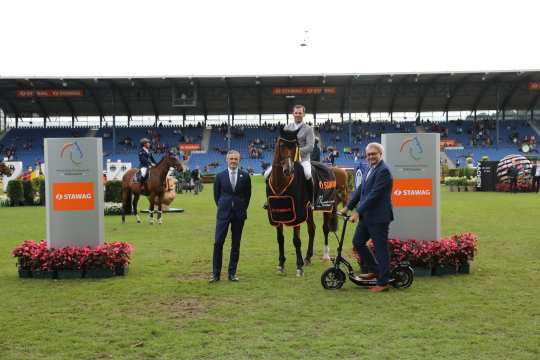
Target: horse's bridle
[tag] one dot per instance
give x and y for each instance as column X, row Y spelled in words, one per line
column 287, row 163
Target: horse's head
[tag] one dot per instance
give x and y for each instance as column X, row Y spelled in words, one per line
column 5, row 169
column 173, row 161
column 286, row 151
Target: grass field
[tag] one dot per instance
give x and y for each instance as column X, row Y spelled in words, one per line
column 165, row 308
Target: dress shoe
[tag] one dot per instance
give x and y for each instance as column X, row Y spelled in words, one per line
column 213, row 279
column 234, row 278
column 368, row 276
column 379, row 288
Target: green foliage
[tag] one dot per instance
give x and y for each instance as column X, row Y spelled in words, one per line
column 38, row 186
column 113, row 191
column 15, row 192
column 350, row 181
column 28, row 192
column 462, row 172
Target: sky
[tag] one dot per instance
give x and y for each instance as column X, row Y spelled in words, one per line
column 189, row 38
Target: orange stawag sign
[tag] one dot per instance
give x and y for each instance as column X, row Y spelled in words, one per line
column 73, row 196
column 412, row 192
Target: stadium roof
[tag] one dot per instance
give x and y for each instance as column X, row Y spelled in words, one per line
column 210, row 95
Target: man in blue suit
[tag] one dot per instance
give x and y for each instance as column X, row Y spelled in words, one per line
column 232, row 192
column 372, row 201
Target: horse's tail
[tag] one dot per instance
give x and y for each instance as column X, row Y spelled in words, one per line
column 342, row 196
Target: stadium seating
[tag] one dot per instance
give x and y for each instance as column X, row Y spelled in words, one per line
column 333, row 136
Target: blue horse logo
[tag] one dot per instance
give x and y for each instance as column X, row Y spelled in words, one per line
column 413, row 147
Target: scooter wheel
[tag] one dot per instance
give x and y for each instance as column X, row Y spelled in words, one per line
column 403, row 277
column 332, row 279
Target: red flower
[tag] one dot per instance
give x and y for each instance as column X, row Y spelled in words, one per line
column 32, row 256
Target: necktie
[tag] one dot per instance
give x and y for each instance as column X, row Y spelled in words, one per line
column 233, row 179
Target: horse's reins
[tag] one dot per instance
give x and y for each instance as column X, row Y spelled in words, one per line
column 296, row 158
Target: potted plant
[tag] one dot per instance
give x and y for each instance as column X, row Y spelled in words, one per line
column 66, row 262
column 37, row 261
column 461, row 183
column 471, row 184
column 450, row 181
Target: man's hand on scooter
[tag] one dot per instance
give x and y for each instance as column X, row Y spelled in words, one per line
column 344, row 211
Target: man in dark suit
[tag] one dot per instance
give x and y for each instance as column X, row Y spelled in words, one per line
column 232, row 192
column 513, row 173
column 372, row 201
column 316, row 153
column 535, row 172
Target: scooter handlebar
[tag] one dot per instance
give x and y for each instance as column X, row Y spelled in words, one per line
column 345, row 217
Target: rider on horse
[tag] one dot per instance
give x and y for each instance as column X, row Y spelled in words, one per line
column 146, row 160
column 306, row 141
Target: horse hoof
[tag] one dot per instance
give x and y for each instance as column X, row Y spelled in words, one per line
column 307, row 262
column 281, row 270
column 160, row 222
column 299, row 272
column 138, row 221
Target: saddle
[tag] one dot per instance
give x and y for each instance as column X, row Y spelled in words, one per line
column 324, row 186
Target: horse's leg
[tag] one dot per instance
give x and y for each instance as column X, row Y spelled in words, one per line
column 126, row 201
column 159, row 212
column 135, row 202
column 281, row 245
column 311, row 234
column 298, row 248
column 326, row 231
column 151, row 198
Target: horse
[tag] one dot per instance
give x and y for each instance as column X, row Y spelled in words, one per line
column 155, row 188
column 5, row 169
column 281, row 177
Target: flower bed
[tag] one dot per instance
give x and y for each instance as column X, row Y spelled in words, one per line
column 453, row 252
column 521, row 186
column 35, row 259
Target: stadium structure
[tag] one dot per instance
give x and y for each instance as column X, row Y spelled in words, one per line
column 478, row 114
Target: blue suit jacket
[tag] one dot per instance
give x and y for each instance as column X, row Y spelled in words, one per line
column 231, row 202
column 373, row 199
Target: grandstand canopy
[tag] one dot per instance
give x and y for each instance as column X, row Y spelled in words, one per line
column 211, row 95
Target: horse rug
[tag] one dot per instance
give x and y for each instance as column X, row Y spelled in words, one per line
column 324, row 186
column 289, row 206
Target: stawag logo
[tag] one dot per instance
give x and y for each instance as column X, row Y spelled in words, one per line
column 74, row 150
column 77, row 196
column 325, row 185
column 86, row 196
column 413, row 147
column 399, row 192
column 412, row 192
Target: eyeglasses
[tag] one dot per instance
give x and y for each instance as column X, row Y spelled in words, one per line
column 372, row 153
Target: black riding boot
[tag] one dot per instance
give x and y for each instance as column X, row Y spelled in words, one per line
column 309, row 185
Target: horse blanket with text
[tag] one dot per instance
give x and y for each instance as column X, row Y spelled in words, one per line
column 289, row 206
column 324, row 186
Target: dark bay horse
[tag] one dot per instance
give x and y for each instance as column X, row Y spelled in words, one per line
column 155, row 188
column 283, row 176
